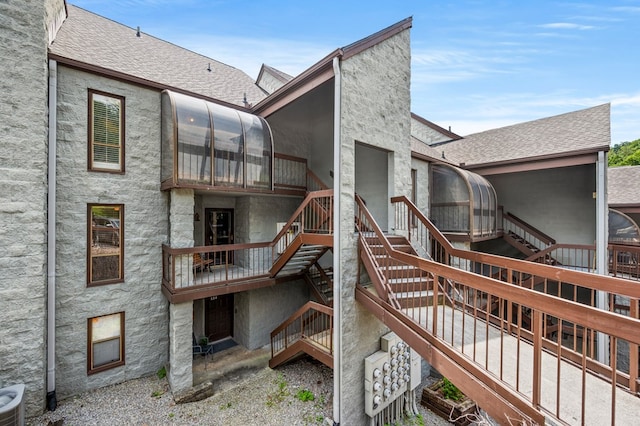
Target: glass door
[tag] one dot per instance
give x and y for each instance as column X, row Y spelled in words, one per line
column 219, row 231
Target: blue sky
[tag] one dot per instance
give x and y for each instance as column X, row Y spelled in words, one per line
column 476, row 65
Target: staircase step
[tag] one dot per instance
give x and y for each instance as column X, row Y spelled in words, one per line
column 418, row 299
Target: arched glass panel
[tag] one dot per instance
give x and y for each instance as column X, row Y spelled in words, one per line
column 622, row 229
column 194, row 140
column 258, row 147
column 228, row 146
column 238, row 154
column 449, row 200
column 462, row 202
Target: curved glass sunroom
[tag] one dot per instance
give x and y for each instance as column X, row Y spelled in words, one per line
column 622, row 229
column 206, row 144
column 463, row 203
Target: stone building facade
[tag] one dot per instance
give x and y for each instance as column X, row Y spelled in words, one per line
column 348, row 117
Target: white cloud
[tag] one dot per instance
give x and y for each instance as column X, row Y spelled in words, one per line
column 567, row 26
column 627, row 9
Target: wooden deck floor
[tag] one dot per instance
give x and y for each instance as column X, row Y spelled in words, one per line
column 511, row 359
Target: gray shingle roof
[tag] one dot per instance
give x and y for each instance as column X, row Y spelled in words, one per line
column 574, row 131
column 91, row 39
column 623, row 185
column 422, row 149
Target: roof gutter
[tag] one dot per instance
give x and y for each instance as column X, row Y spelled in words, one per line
column 541, row 162
column 51, row 239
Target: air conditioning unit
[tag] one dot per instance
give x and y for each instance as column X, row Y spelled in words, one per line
column 12, row 405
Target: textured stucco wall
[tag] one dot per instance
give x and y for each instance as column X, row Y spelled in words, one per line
column 426, row 134
column 23, row 202
column 145, row 229
column 269, row 83
column 259, row 312
column 372, row 176
column 422, row 185
column 559, row 202
column 375, row 110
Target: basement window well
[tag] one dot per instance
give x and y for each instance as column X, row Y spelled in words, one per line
column 207, row 144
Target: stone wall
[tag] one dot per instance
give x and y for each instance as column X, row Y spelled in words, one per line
column 422, row 185
column 375, row 110
column 259, row 312
column 23, row 199
column 145, row 229
column 426, row 134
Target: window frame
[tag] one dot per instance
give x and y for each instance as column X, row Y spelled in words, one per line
column 90, row 281
column 92, row 165
column 90, row 353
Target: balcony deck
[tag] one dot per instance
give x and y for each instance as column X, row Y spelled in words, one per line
column 511, row 360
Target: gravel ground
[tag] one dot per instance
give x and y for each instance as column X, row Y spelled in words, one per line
column 268, row 397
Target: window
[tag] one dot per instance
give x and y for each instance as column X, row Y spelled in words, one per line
column 106, row 237
column 106, row 132
column 105, row 337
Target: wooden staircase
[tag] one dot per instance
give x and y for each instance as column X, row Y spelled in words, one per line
column 320, row 282
column 300, row 244
column 411, row 286
column 527, row 239
column 309, row 330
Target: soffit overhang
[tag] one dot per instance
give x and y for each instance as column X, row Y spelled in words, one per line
column 543, row 162
column 323, row 71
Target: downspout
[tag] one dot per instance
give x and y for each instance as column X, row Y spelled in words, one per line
column 337, row 272
column 51, row 241
column 602, row 246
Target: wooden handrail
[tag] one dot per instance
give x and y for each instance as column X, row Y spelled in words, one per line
column 304, row 308
column 540, row 308
column 542, row 253
column 289, row 157
column 315, row 179
column 372, row 226
column 311, row 196
column 529, row 228
column 213, row 248
column 592, row 281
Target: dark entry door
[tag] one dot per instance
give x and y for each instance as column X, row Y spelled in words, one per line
column 219, row 317
column 218, row 231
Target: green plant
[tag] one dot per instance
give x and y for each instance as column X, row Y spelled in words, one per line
column 278, row 396
column 225, row 406
column 171, row 415
column 305, row 395
column 162, row 373
column 157, row 394
column 450, row 391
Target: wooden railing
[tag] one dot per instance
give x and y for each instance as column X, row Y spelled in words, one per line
column 289, row 172
column 321, row 283
column 579, row 257
column 537, row 238
column 507, row 332
column 311, row 324
column 624, row 261
column 314, row 183
column 313, row 216
column 224, row 265
column 217, row 265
